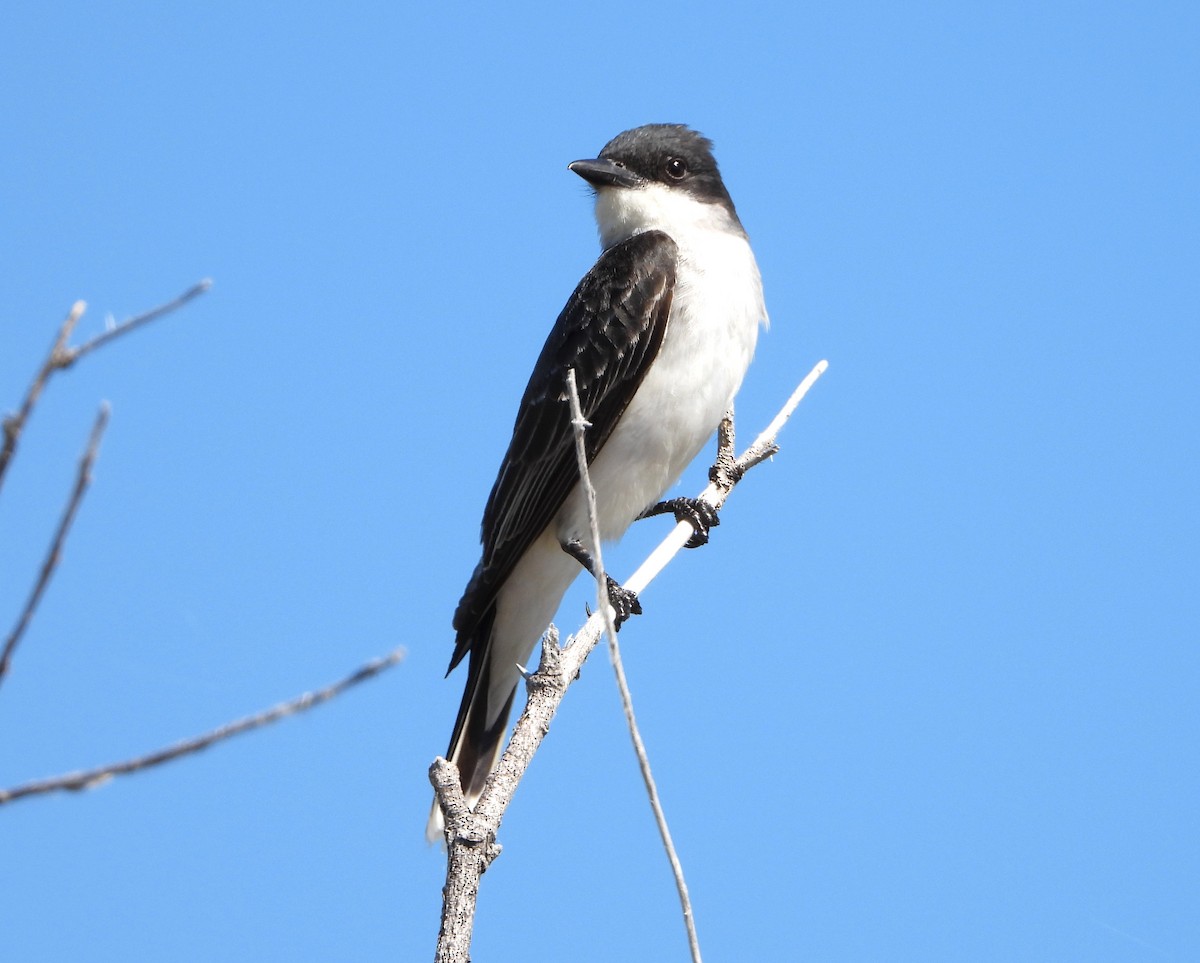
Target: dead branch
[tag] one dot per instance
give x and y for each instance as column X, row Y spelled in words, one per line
column 62, row 356
column 89, row 779
column 471, row 835
column 83, row 479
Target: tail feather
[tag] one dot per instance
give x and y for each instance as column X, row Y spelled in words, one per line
column 477, row 742
column 493, row 643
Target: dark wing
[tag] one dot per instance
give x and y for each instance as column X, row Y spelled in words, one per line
column 609, row 332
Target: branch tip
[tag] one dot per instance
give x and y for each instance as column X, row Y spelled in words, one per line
column 309, row 700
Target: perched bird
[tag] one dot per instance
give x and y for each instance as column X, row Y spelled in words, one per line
column 660, row 332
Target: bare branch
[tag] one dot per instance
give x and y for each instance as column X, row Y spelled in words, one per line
column 471, row 836
column 74, row 354
column 580, row 425
column 83, row 480
column 474, row 851
column 91, row 778
column 61, row 356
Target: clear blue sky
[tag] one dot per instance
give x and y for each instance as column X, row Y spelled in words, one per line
column 944, row 705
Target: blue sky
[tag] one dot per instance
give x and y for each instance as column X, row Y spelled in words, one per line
column 930, row 692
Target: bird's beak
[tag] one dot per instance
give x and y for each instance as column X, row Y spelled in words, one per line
column 605, row 173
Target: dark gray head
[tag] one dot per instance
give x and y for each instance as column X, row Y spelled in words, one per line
column 672, row 155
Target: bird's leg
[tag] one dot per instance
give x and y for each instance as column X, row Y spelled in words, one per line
column 622, row 600
column 700, row 513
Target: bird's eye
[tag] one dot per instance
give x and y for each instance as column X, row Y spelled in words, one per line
column 676, row 168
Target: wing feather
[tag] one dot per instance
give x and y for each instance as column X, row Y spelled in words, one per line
column 610, row 332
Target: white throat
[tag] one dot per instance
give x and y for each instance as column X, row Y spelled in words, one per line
column 622, row 212
column 714, row 253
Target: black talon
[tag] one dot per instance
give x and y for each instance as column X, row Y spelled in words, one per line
column 700, row 514
column 624, row 601
column 621, row 599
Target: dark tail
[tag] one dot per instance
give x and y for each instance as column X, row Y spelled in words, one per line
column 477, row 742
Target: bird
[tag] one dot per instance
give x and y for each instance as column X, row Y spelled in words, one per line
column 660, row 333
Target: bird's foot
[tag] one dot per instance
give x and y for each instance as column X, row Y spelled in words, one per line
column 699, row 513
column 624, row 602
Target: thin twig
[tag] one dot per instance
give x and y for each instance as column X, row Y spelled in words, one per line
column 74, row 354
column 579, row 424
column 62, row 356
column 83, row 479
column 471, row 835
column 91, row 778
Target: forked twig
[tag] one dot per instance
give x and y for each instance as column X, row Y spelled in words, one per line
column 63, row 356
column 130, row 324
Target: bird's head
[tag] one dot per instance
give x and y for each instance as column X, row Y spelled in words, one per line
column 658, row 177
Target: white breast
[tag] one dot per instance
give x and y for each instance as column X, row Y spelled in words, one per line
column 715, row 314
